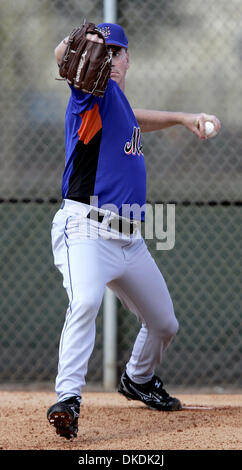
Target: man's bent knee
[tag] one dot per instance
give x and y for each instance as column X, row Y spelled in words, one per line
column 168, row 327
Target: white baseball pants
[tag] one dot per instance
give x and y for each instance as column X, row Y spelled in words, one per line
column 91, row 261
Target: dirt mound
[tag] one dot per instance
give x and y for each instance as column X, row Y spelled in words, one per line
column 109, row 421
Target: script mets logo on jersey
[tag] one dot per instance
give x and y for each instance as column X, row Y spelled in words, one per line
column 134, row 146
column 105, row 30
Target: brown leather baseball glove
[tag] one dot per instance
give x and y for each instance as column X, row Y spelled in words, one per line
column 86, row 64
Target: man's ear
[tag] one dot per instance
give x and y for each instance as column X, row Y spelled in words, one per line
column 128, row 60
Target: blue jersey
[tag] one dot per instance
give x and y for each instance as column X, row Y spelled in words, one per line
column 104, row 155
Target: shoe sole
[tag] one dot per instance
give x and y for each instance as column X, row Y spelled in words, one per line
column 62, row 421
column 131, row 397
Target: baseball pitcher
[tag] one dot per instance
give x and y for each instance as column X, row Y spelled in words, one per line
column 96, row 239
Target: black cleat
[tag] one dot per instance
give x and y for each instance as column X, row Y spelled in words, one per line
column 151, row 393
column 63, row 415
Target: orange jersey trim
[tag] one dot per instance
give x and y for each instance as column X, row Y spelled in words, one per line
column 91, row 124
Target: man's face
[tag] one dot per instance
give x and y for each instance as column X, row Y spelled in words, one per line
column 120, row 65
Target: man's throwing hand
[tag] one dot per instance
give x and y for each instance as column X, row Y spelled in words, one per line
column 196, row 123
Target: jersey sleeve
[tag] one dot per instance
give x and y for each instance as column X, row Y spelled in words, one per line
column 81, row 101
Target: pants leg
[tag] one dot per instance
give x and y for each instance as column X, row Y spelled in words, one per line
column 86, row 266
column 143, row 290
column 78, row 334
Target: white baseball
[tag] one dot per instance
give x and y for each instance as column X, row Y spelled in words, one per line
column 210, row 129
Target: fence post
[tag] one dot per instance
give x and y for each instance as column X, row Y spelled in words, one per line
column 110, row 341
column 110, row 11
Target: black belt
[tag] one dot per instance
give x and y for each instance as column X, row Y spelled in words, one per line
column 118, row 223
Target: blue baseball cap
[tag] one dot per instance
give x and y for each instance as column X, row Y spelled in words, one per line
column 114, row 34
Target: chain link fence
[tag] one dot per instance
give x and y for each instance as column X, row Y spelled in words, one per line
column 185, row 56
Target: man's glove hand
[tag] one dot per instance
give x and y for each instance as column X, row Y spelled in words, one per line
column 86, row 64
